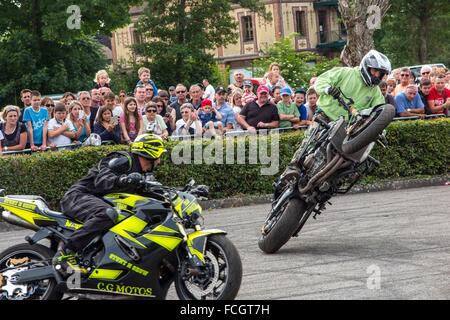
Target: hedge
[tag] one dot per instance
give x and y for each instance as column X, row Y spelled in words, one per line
column 416, row 148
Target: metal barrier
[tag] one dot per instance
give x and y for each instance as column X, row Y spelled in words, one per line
column 428, row 116
column 29, row 151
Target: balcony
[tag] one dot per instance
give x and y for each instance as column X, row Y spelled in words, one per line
column 335, row 39
column 325, row 4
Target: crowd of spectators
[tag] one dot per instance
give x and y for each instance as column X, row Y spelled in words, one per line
column 245, row 105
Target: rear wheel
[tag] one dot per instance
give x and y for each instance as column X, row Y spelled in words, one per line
column 221, row 277
column 279, row 228
column 369, row 131
column 22, row 255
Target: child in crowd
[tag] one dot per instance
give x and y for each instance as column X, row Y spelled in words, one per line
column 248, row 95
column 36, row 119
column 102, row 80
column 78, row 120
column 60, row 129
column 145, row 78
column 289, row 114
column 131, row 122
column 110, row 103
column 210, row 118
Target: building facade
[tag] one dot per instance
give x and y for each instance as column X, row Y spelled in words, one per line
column 315, row 21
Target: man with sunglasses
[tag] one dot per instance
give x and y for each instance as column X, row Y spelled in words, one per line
column 405, row 76
column 181, row 92
column 425, row 72
column 90, row 111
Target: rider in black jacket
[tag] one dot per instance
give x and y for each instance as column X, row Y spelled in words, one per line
column 117, row 172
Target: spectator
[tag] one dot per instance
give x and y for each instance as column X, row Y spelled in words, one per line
column 236, row 103
column 396, row 75
column 210, row 118
column 272, row 80
column 287, row 110
column 36, row 119
column 391, row 84
column 275, row 68
column 181, row 92
column 447, row 79
column 122, row 96
column 189, row 123
column 405, row 76
column 248, row 95
column 153, row 122
column 439, row 97
column 88, row 109
column 149, row 93
column 79, row 121
column 409, row 104
column 106, row 126
column 60, row 129
column 96, row 98
column 145, row 78
column 425, row 72
column 276, row 94
column 14, row 132
column 173, row 95
column 49, row 105
column 102, row 80
column 164, row 95
column 312, row 81
column 67, row 98
column 25, row 97
column 164, row 111
column 196, row 96
column 110, row 103
column 311, row 105
column 424, row 91
column 238, row 81
column 299, row 100
column 209, row 93
column 103, row 92
column 131, row 122
column 387, row 97
column 140, row 97
column 259, row 114
column 228, row 118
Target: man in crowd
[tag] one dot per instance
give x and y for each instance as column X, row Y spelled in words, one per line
column 86, row 101
column 96, row 98
column 425, row 72
column 439, row 97
column 25, row 97
column 424, row 91
column 36, row 119
column 409, row 104
column 140, row 95
column 238, row 81
column 209, row 90
column 228, row 118
column 259, row 114
column 173, row 96
column 196, row 96
column 389, row 99
column 181, row 92
column 405, row 76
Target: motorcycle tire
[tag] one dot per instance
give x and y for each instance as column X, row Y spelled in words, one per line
column 284, row 228
column 221, row 248
column 36, row 253
column 370, row 131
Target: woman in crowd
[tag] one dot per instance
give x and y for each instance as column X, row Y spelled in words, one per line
column 106, row 127
column 50, row 105
column 153, row 122
column 67, row 98
column 235, row 101
column 78, row 119
column 14, row 132
column 164, row 111
column 122, row 96
column 131, row 122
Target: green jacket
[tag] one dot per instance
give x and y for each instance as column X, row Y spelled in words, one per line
column 352, row 85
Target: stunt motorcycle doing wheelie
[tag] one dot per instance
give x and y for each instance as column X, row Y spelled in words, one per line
column 335, row 153
column 154, row 239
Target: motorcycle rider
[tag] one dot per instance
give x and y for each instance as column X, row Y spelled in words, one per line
column 117, row 172
column 361, row 83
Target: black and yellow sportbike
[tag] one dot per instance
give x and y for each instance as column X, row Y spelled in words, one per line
column 157, row 241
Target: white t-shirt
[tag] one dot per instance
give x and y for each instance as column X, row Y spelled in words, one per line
column 209, row 93
column 180, row 123
column 60, row 140
column 117, row 111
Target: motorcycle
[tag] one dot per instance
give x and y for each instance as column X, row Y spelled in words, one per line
column 331, row 159
column 158, row 240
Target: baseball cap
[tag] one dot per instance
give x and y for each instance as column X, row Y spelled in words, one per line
column 286, row 91
column 171, row 88
column 300, row 90
column 248, row 83
column 263, row 89
column 220, row 89
column 206, row 102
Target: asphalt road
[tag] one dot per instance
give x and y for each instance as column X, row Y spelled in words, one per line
column 384, row 245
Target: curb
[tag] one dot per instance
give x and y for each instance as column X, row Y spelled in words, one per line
column 264, row 199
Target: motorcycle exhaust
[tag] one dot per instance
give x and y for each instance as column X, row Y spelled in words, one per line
column 18, row 221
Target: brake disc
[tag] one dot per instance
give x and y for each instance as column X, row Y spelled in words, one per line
column 13, row 290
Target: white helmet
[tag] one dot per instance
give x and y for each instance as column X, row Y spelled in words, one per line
column 376, row 60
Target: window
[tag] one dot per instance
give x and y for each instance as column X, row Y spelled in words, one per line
column 300, row 23
column 247, row 28
column 137, row 37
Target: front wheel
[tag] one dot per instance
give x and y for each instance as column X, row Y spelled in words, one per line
column 280, row 227
column 22, row 257
column 221, row 277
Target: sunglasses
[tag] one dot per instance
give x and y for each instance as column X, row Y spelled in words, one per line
column 86, row 98
column 49, row 105
column 148, row 89
column 404, row 75
column 160, row 106
column 151, row 110
column 426, row 72
column 184, row 91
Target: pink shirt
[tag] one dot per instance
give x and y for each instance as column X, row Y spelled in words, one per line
column 132, row 126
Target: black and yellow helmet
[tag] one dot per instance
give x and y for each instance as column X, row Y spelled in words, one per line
column 149, row 146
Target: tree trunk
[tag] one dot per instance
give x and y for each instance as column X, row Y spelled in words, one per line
column 361, row 19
